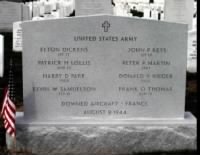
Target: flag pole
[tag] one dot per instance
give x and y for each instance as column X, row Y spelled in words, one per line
column 15, row 145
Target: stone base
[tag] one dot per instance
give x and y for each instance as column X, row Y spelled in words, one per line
column 114, row 139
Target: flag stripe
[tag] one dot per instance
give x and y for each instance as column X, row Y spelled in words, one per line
column 10, row 123
column 4, row 105
column 11, row 112
column 9, row 117
column 6, row 125
column 9, row 130
column 8, row 112
column 11, row 104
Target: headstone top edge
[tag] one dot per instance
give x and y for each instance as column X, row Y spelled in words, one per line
column 108, row 16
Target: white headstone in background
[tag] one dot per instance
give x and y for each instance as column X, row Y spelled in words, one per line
column 154, row 14
column 17, row 37
column 179, row 11
column 1, row 56
column 25, row 12
column 192, row 51
column 159, row 1
column 146, row 13
column 11, row 12
column 66, row 8
column 90, row 7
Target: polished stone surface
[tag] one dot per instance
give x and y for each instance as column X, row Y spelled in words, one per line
column 92, row 7
column 11, row 12
column 94, row 69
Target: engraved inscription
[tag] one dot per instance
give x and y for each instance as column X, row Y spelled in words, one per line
column 75, row 70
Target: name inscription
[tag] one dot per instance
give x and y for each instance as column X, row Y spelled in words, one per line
column 65, row 62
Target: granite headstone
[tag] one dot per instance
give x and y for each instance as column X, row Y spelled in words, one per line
column 104, row 85
column 91, row 7
column 11, row 12
column 17, row 36
column 98, row 71
column 179, row 11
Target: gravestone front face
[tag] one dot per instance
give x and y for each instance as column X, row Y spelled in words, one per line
column 89, row 68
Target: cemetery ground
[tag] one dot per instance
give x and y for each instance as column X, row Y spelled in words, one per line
column 3, row 151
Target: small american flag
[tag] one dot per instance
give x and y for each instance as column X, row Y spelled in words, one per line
column 8, row 113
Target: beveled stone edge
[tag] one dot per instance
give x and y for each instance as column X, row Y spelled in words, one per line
column 189, row 119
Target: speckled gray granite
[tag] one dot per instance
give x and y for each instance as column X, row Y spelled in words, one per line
column 107, row 139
